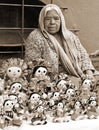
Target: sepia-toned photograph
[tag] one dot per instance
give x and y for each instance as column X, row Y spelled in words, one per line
column 49, row 64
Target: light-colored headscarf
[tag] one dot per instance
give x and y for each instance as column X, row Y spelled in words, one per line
column 68, row 57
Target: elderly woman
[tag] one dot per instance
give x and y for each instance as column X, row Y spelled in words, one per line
column 53, row 42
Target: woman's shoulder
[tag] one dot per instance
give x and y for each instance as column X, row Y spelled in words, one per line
column 35, row 34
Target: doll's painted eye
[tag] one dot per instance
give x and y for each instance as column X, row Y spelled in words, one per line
column 9, row 70
column 18, row 70
column 7, row 104
column 39, row 71
column 19, row 86
column 13, row 87
column 33, row 97
column 44, row 71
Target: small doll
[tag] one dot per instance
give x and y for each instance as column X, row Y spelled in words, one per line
column 33, row 102
column 92, row 109
column 70, row 97
column 85, row 91
column 14, row 70
column 10, row 118
column 39, row 78
column 59, row 113
column 16, row 106
column 77, row 110
column 55, row 98
column 39, row 117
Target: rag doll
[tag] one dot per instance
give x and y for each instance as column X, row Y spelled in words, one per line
column 77, row 111
column 39, row 117
column 39, row 78
column 33, row 102
column 92, row 108
column 14, row 70
column 59, row 113
column 10, row 117
column 54, row 99
column 70, row 98
column 16, row 105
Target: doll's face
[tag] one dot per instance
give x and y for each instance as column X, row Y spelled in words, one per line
column 60, row 105
column 70, row 92
column 93, row 103
column 87, row 83
column 40, row 109
column 8, row 105
column 16, row 87
column 13, row 98
column 40, row 72
column 62, row 85
column 14, row 72
column 77, row 104
column 92, row 98
column 56, row 95
column 35, row 97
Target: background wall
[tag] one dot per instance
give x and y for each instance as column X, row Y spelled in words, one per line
column 83, row 15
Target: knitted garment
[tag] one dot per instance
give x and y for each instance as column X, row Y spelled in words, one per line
column 37, row 46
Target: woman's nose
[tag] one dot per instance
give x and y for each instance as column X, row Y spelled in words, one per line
column 52, row 20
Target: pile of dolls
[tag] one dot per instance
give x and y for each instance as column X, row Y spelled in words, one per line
column 30, row 92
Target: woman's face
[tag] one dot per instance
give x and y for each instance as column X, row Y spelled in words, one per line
column 52, row 22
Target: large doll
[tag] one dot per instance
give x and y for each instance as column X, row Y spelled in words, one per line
column 14, row 70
